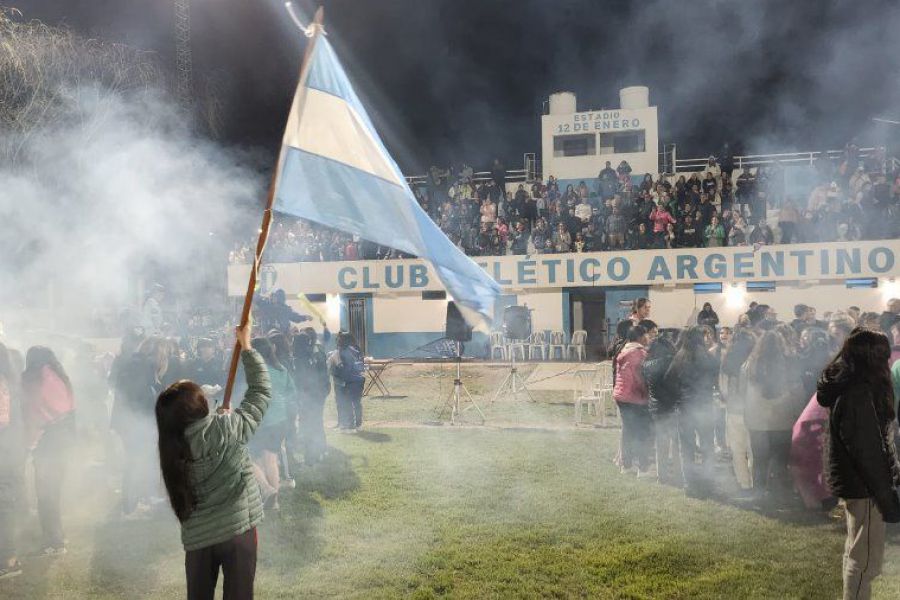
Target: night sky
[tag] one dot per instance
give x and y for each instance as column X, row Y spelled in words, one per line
column 465, row 80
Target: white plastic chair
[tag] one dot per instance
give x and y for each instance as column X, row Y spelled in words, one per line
column 585, row 393
column 603, row 389
column 577, row 348
column 518, row 347
column 498, row 344
column 538, row 343
column 558, row 342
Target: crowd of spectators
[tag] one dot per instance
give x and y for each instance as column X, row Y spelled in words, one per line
column 771, row 414
column 852, row 199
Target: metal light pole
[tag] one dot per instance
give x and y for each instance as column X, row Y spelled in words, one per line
column 183, row 60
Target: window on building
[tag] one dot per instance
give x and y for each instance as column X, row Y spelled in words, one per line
column 623, row 142
column 582, row 144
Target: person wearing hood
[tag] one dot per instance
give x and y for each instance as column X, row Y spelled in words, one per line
column 773, row 399
column 663, row 410
column 861, row 461
column 630, row 394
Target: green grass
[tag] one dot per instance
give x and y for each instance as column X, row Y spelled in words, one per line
column 468, row 513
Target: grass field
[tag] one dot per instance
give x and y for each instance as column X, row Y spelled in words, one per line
column 534, row 509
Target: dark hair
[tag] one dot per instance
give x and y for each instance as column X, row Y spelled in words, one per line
column 767, row 366
column 738, row 352
column 181, row 404
column 344, row 339
column 131, row 341
column 864, row 359
column 800, row 310
column 707, row 305
column 636, row 333
column 36, row 359
column 267, row 351
column 638, row 304
column 647, row 324
column 302, row 344
column 660, row 347
column 691, row 347
column 622, row 328
column 282, row 348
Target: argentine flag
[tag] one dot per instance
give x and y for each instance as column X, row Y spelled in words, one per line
column 335, row 170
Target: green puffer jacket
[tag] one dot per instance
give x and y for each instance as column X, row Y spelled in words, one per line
column 229, row 503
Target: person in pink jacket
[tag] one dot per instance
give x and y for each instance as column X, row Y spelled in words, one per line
column 807, row 444
column 661, row 217
column 630, row 394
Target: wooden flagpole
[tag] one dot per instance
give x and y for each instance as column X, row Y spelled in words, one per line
column 267, row 219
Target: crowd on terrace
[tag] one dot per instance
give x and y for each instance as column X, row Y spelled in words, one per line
column 851, row 198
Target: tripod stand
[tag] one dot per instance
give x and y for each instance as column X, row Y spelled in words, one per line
column 455, row 399
column 512, row 383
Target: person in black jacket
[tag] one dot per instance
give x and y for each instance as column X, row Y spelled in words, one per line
column 663, row 410
column 861, row 462
column 693, row 374
column 313, row 386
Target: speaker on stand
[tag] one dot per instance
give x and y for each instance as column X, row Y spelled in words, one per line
column 516, row 327
column 458, row 331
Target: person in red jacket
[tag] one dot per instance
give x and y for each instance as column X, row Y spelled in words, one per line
column 630, row 394
column 48, row 411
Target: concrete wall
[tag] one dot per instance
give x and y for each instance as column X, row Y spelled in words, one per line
column 585, row 167
column 677, row 307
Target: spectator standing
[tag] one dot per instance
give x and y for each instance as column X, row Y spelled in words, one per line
column 347, row 370
column 48, row 410
column 630, row 394
column 607, row 181
column 714, row 233
column 693, row 374
column 746, row 191
column 773, row 401
column 273, row 429
column 313, row 386
column 562, row 239
column 707, row 317
column 663, row 411
column 12, row 464
column 862, row 466
column 498, row 175
column 661, row 219
column 616, row 226
column 732, row 391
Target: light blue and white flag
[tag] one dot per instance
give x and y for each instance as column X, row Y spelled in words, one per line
column 336, row 171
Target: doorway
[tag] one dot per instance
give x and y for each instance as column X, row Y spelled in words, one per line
column 356, row 321
column 587, row 311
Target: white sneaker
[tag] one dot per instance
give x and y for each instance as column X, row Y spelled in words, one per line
column 628, row 471
column 287, row 484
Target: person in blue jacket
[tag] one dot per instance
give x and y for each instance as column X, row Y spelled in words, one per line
column 348, row 372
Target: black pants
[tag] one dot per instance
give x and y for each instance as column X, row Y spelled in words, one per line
column 637, row 436
column 49, row 474
column 787, row 231
column 771, row 453
column 312, row 430
column 695, row 433
column 236, row 558
column 349, row 405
